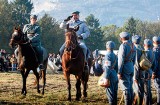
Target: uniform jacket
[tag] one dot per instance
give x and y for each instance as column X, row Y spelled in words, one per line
column 83, row 29
column 33, row 33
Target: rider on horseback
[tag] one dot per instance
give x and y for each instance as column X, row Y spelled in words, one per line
column 32, row 31
column 83, row 32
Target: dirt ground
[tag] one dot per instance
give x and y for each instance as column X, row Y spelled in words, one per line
column 55, row 91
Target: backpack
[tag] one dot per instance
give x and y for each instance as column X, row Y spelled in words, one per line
column 144, row 62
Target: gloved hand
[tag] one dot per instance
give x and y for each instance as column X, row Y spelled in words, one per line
column 68, row 18
column 80, row 37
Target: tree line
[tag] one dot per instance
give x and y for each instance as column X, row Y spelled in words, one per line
column 17, row 13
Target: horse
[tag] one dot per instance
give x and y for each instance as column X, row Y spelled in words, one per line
column 27, row 59
column 73, row 62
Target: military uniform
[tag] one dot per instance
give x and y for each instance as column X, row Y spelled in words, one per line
column 110, row 64
column 138, row 84
column 147, row 74
column 33, row 34
column 82, row 32
column 126, row 56
column 156, row 71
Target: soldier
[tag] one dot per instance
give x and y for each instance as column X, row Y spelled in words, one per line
column 32, row 31
column 148, row 73
column 126, row 56
column 110, row 64
column 138, row 84
column 83, row 32
column 156, row 71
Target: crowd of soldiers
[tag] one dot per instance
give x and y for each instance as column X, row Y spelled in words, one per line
column 125, row 70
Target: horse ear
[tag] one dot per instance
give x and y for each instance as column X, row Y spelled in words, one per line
column 76, row 28
column 15, row 28
column 19, row 28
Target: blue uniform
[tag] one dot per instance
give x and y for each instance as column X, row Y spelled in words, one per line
column 156, row 71
column 142, row 85
column 147, row 78
column 110, row 64
column 126, row 56
column 83, row 31
column 33, row 34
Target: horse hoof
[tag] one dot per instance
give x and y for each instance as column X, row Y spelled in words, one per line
column 77, row 99
column 69, row 99
column 85, row 94
column 38, row 91
column 43, row 93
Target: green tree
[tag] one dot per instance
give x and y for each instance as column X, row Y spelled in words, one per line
column 6, row 23
column 95, row 41
column 110, row 34
column 21, row 10
column 52, row 36
column 130, row 26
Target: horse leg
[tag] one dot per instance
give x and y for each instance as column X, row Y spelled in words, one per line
column 44, row 79
column 67, row 76
column 85, row 77
column 78, row 88
column 24, row 76
column 37, row 79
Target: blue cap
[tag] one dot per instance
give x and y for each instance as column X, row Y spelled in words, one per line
column 136, row 39
column 148, row 42
column 110, row 44
column 156, row 39
column 124, row 34
column 76, row 12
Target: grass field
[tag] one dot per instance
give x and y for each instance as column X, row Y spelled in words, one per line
column 55, row 91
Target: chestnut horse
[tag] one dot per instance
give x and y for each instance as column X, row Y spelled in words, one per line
column 73, row 62
column 27, row 59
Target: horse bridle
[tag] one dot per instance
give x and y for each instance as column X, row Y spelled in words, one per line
column 73, row 46
column 21, row 41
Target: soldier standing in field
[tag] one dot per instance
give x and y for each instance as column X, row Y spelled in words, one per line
column 126, row 56
column 138, row 83
column 156, row 71
column 110, row 67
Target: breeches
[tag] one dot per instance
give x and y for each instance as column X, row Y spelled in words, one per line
column 126, row 85
column 39, row 53
column 112, row 96
column 157, row 87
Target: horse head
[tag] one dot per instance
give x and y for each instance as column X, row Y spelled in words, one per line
column 18, row 37
column 71, row 39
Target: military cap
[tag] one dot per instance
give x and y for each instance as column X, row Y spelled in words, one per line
column 156, row 39
column 124, row 34
column 136, row 39
column 76, row 12
column 110, row 44
column 33, row 16
column 147, row 42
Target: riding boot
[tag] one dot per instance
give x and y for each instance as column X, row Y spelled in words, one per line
column 86, row 67
column 39, row 52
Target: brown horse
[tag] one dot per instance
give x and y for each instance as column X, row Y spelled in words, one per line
column 73, row 62
column 27, row 59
